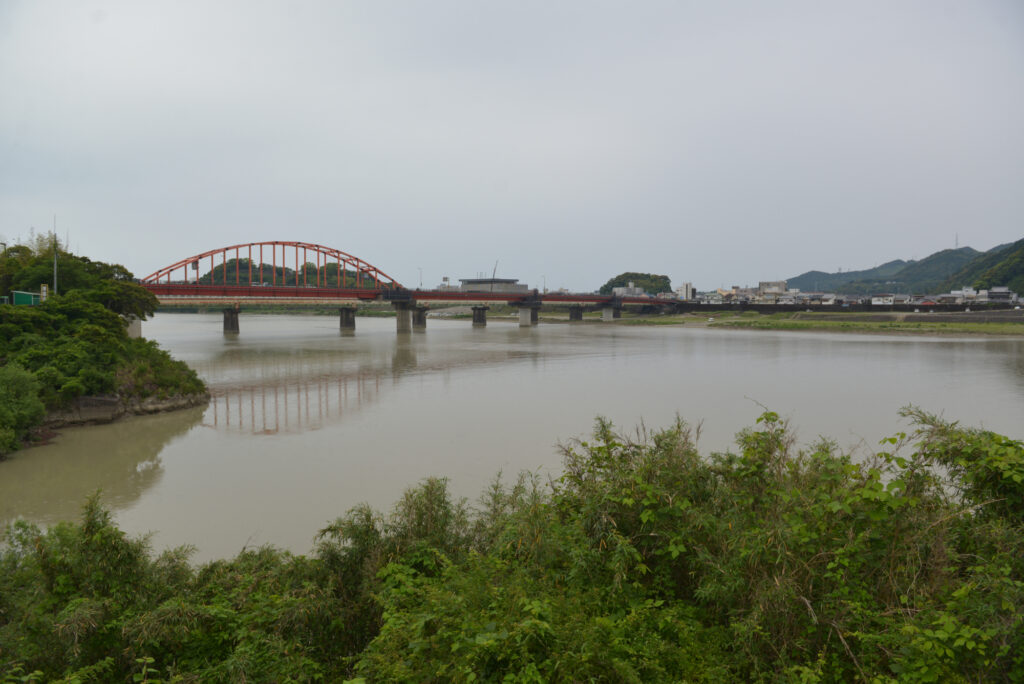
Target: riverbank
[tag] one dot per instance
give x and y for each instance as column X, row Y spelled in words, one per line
column 108, row 408
column 1004, row 324
column 966, row 323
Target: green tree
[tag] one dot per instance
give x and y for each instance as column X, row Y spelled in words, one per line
column 124, row 298
column 651, row 284
column 20, row 406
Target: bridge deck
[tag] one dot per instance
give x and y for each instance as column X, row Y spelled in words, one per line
column 212, row 293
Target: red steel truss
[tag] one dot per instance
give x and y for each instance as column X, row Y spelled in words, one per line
column 351, row 272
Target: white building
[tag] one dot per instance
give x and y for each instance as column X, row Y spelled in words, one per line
column 629, row 291
column 771, row 287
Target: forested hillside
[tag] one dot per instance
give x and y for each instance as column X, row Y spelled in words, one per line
column 939, row 272
column 819, row 281
column 992, row 269
column 924, row 276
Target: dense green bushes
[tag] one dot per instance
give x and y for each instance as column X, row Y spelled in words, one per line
column 644, row 562
column 76, row 344
column 20, row 407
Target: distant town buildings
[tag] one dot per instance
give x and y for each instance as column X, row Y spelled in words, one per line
column 777, row 293
column 766, row 292
column 1001, row 294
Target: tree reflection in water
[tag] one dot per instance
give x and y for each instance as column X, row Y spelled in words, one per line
column 49, row 483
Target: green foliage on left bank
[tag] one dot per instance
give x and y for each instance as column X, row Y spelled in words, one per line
column 76, row 343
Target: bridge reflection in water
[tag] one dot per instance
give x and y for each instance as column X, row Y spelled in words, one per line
column 293, row 393
column 288, row 406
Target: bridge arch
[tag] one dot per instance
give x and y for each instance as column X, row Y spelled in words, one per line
column 285, row 267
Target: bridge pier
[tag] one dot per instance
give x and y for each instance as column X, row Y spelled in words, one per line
column 347, row 319
column 528, row 315
column 231, row 320
column 611, row 311
column 403, row 316
column 480, row 316
column 575, row 313
column 419, row 318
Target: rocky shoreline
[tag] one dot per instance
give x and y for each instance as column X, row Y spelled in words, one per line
column 108, row 408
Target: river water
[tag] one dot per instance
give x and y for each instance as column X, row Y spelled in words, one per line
column 306, row 422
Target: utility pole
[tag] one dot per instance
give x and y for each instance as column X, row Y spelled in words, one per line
column 54, row 254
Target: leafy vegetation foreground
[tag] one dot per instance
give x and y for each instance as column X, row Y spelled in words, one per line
column 644, row 562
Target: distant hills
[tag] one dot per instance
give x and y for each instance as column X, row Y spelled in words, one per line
column 819, row 281
column 994, row 268
column 940, row 272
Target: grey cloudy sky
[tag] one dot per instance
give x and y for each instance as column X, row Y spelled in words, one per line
column 716, row 142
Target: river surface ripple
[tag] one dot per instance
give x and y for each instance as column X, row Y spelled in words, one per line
column 306, row 422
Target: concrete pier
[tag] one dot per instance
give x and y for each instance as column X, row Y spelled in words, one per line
column 347, row 319
column 528, row 315
column 403, row 316
column 576, row 313
column 134, row 327
column 610, row 312
column 419, row 318
column 480, row 316
column 231, row 320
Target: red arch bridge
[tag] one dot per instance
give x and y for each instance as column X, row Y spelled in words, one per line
column 290, row 272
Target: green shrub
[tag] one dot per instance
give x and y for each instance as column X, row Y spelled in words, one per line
column 20, row 406
column 644, row 562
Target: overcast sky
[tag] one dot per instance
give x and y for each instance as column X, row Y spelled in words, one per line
column 714, row 142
